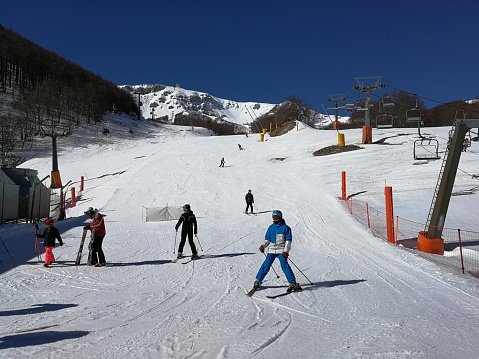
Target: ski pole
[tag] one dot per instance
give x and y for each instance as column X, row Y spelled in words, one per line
column 277, row 276
column 6, row 248
column 199, row 242
column 37, row 245
column 301, row 271
column 175, row 242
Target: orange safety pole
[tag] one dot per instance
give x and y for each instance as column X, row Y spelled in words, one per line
column 388, row 193
column 82, row 183
column 74, row 200
column 343, row 188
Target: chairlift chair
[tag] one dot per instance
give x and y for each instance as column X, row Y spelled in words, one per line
column 384, row 121
column 426, row 148
column 387, row 101
column 413, row 115
column 361, row 105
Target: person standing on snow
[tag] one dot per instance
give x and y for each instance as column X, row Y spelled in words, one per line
column 222, row 162
column 97, row 228
column 249, row 201
column 278, row 242
column 50, row 234
column 188, row 229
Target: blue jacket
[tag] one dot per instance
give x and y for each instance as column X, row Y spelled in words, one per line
column 278, row 238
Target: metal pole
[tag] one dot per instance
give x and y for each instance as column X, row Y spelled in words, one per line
column 300, row 271
column 174, row 248
column 199, row 242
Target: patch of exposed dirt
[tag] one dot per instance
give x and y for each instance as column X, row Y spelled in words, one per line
column 285, row 128
column 331, row 150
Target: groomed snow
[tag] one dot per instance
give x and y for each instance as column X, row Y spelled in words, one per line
column 369, row 299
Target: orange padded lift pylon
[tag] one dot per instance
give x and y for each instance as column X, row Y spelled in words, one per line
column 430, row 245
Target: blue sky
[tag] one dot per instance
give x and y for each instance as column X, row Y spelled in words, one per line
column 264, row 50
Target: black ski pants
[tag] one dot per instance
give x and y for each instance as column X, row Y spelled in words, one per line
column 190, row 241
column 97, row 255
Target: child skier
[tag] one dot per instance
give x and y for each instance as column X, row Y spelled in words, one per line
column 50, row 234
column 278, row 242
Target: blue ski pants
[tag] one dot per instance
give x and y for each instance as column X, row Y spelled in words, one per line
column 268, row 262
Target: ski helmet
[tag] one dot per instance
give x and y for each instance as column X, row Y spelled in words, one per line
column 90, row 210
column 187, row 207
column 48, row 221
column 278, row 213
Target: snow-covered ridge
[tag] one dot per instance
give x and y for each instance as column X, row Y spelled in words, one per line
column 165, row 102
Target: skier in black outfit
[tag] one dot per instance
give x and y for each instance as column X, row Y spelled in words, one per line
column 189, row 228
column 249, row 201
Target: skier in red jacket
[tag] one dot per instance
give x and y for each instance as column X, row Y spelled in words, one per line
column 97, row 227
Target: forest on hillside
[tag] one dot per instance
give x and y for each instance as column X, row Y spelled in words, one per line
column 44, row 94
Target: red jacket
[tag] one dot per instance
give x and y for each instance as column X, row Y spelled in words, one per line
column 97, row 224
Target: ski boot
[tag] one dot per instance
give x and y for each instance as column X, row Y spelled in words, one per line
column 294, row 287
column 195, row 256
column 257, row 284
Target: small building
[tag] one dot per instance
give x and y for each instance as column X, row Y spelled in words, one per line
column 22, row 195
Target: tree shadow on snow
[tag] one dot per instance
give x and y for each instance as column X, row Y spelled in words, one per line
column 35, row 309
column 38, row 338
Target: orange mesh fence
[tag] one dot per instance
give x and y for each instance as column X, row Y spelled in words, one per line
column 461, row 247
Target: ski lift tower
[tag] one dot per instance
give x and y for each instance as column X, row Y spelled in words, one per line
column 336, row 100
column 56, row 181
column 430, row 240
column 367, row 85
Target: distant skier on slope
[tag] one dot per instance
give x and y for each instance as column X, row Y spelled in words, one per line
column 97, row 227
column 222, row 162
column 249, row 201
column 278, row 242
column 50, row 234
column 188, row 229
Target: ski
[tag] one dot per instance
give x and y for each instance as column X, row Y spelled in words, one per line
column 37, row 244
column 175, row 260
column 281, row 294
column 191, row 260
column 80, row 250
column 90, row 247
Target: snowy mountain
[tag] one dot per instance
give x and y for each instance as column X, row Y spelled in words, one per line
column 163, row 103
column 174, row 105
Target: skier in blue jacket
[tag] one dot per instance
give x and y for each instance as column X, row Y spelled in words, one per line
column 278, row 244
